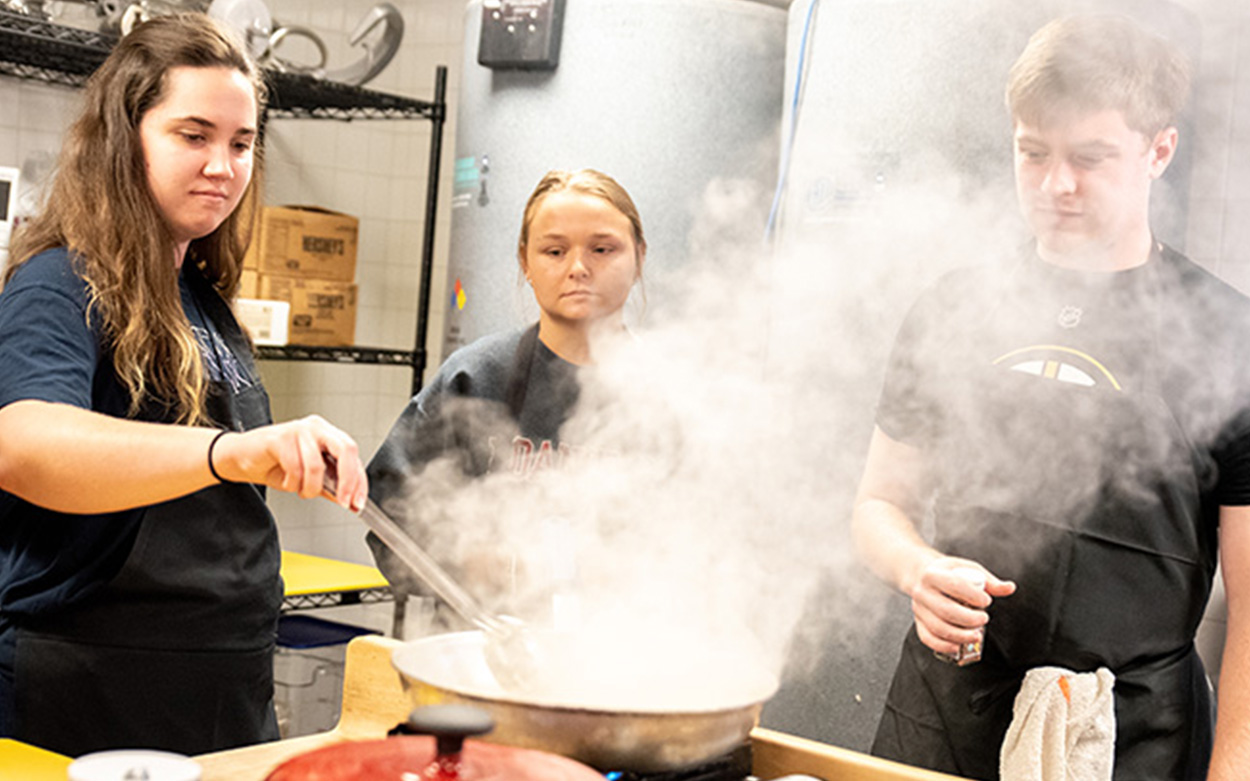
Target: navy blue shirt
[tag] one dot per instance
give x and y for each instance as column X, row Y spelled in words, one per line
column 183, row 594
column 50, row 351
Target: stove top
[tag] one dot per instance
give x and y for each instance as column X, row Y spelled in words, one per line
column 734, row 766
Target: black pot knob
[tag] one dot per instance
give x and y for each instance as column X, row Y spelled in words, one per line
column 449, row 724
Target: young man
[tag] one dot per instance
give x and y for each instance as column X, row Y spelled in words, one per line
column 1077, row 421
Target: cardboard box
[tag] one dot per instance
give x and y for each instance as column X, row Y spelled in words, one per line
column 249, row 284
column 323, row 312
column 268, row 322
column 304, row 241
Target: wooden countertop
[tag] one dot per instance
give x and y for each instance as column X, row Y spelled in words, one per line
column 374, row 701
column 776, row 754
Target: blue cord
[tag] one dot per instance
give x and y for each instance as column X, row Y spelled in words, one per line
column 783, row 173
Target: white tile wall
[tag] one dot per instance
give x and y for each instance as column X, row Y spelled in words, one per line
column 32, row 118
column 1220, row 196
column 1219, row 213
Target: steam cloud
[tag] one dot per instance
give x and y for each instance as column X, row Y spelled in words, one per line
column 716, row 455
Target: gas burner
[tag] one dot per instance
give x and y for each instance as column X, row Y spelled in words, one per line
column 734, row 766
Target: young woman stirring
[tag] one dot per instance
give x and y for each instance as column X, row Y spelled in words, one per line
column 139, row 592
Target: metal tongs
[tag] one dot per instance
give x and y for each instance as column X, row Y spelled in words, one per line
column 510, row 650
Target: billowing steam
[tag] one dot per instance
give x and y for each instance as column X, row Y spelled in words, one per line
column 706, row 489
column 704, row 484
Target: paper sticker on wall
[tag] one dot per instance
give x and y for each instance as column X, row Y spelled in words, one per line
column 469, row 181
column 458, row 298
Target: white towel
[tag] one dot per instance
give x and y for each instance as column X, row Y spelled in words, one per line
column 1062, row 727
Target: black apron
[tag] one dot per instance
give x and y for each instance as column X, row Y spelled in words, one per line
column 175, row 653
column 519, row 373
column 1096, row 514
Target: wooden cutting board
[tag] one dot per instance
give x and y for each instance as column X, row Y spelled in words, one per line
column 373, row 702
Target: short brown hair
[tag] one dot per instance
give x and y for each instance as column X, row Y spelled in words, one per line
column 1097, row 62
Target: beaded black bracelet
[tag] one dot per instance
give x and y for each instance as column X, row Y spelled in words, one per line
column 212, row 469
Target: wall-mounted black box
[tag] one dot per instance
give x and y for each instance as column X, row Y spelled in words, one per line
column 521, row 34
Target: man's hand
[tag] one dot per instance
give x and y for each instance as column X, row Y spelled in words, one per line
column 949, row 602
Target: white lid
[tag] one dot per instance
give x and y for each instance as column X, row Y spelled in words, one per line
column 133, row 765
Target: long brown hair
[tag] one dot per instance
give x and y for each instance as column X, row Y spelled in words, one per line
column 100, row 208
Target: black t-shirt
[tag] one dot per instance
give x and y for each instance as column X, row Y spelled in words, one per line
column 1083, row 430
column 1167, row 327
column 1110, row 406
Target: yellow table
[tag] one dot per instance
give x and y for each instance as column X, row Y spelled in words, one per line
column 28, row 763
column 315, row 581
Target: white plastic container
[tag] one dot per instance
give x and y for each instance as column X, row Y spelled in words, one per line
column 130, row 764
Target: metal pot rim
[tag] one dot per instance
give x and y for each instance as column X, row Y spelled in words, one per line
column 408, row 658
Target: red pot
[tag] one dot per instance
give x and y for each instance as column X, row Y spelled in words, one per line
column 406, row 758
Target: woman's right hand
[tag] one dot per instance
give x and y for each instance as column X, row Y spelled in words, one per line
column 291, row 457
column 949, row 606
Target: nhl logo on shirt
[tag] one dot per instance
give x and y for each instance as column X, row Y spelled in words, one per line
column 1070, row 317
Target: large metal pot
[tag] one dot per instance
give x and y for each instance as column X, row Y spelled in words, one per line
column 712, row 714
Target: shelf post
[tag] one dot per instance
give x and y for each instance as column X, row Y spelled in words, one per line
column 420, row 353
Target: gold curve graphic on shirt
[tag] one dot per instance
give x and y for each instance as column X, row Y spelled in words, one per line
column 1051, row 368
